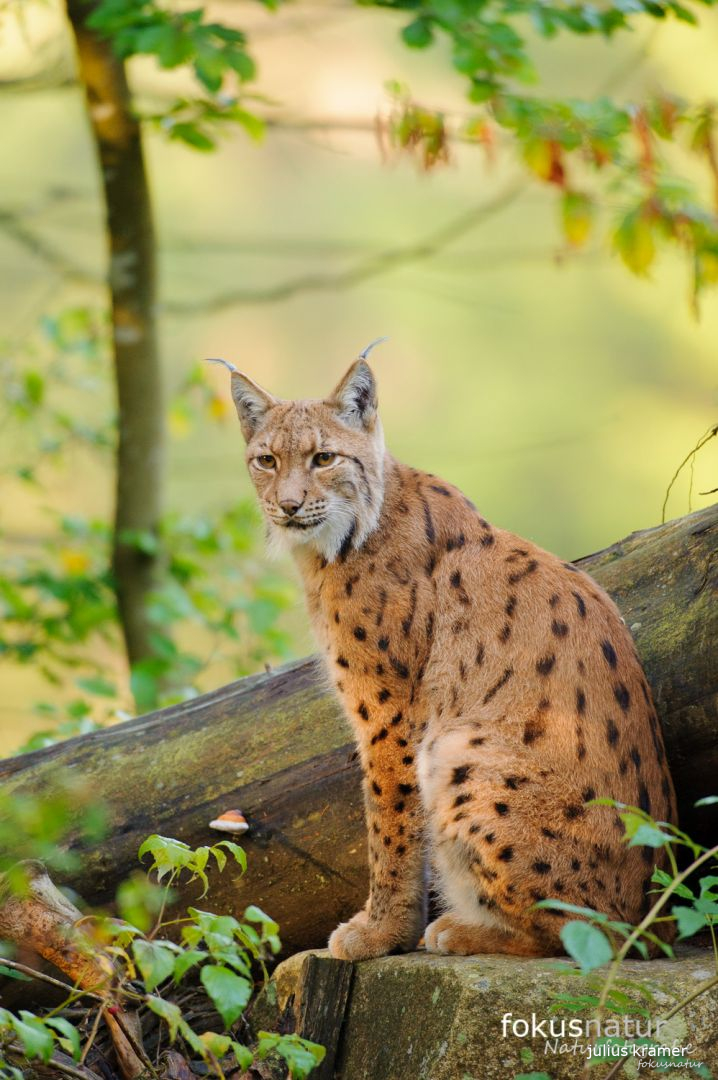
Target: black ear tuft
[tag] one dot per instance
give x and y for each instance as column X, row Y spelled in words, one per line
column 355, row 398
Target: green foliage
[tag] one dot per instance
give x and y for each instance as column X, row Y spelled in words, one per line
column 215, row 53
column 57, row 602
column 586, row 149
column 223, row 957
column 41, row 829
column 592, row 941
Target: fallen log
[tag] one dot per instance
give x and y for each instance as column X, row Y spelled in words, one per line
column 277, row 747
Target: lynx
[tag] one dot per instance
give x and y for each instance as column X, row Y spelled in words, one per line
column 493, row 689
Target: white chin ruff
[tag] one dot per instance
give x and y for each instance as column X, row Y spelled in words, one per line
column 325, row 539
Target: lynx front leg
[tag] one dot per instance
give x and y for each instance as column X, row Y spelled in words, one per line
column 392, row 920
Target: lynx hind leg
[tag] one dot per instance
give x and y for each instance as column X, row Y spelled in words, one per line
column 484, row 833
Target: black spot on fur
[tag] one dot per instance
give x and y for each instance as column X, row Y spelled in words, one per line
column 580, row 604
column 501, row 808
column 383, row 643
column 636, row 756
column 560, row 629
column 405, row 789
column 375, row 788
column 505, row 633
column 541, row 867
column 587, row 794
column 533, row 730
column 363, row 711
column 572, row 812
column 545, row 665
column 644, row 799
column 549, row 833
column 441, row 490
column 611, row 732
column 510, row 605
column 461, row 799
column 461, row 774
column 380, row 736
column 342, row 661
column 479, row 654
column 580, row 701
column 399, row 667
column 506, row 854
column 384, row 695
column 610, row 653
column 428, row 522
column 397, row 718
column 554, row 600
column 455, row 542
column 487, row 539
column 508, row 672
column 530, row 567
column 360, row 633
column 455, row 579
column 622, row 696
column 478, row 740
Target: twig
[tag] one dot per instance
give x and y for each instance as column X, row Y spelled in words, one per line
column 706, row 437
column 373, row 266
column 73, row 990
column 615, row 1069
column 59, row 1063
column 91, row 1036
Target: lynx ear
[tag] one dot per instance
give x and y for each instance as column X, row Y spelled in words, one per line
column 355, row 397
column 251, row 401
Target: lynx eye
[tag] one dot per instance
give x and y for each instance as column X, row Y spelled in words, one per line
column 267, row 461
column 324, row 457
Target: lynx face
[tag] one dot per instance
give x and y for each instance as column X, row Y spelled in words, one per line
column 317, row 465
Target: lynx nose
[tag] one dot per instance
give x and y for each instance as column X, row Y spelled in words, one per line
column 290, row 507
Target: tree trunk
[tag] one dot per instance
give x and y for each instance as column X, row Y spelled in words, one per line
column 117, row 138
column 277, row 747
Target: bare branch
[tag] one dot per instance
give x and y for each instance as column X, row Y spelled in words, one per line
column 372, row 266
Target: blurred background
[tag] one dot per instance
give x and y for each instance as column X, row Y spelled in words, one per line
column 557, row 390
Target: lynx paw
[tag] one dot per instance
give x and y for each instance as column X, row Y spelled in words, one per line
column 448, row 935
column 361, row 939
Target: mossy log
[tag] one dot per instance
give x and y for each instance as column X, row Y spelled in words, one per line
column 276, row 746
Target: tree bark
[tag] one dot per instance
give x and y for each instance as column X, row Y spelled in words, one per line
column 277, row 747
column 132, row 283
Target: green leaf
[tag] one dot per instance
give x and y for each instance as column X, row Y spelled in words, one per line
column 238, row 852
column 709, row 800
column 156, row 960
column 69, row 1035
column 230, row 993
column 192, row 136
column 418, row 34
column 634, row 242
column 689, row 921
column 186, row 960
column 586, row 944
column 215, row 1043
column 170, row 1013
column 301, row 1055
column 96, row 685
column 649, row 836
column 36, row 1039
column 244, row 1056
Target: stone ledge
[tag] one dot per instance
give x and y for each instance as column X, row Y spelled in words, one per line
column 425, row 1017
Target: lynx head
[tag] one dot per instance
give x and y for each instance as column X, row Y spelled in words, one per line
column 317, row 465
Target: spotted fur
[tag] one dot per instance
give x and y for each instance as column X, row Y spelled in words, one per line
column 493, row 689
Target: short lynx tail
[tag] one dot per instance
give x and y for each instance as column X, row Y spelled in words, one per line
column 378, row 341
